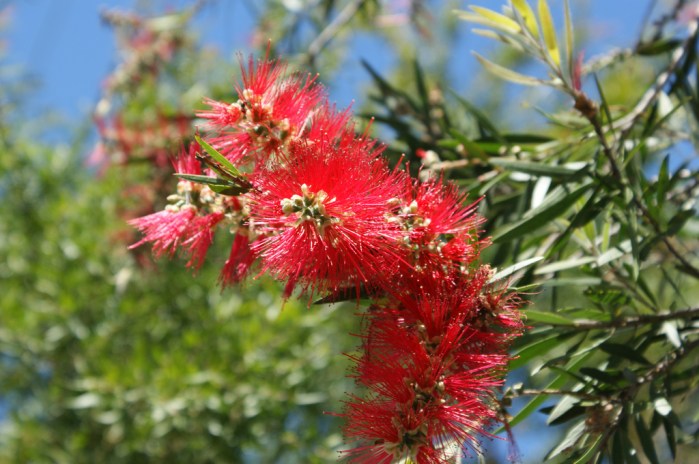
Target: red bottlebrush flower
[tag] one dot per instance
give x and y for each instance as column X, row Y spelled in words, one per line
column 323, row 212
column 239, row 261
column 271, row 110
column 169, row 230
column 166, row 229
column 430, row 373
column 221, row 115
column 440, row 232
column 198, row 238
column 180, row 225
column 186, row 162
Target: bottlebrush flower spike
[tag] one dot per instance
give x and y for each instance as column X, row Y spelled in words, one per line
column 183, row 224
column 271, row 110
column 239, row 262
column 323, row 212
column 430, row 374
column 165, row 229
column 440, row 230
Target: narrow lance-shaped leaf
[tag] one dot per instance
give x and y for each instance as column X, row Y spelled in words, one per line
column 646, row 440
column 218, row 157
column 547, row 317
column 507, row 74
column 529, row 352
column 497, row 18
column 590, row 451
column 569, row 35
column 539, row 169
column 527, row 14
column 537, row 401
column 501, row 27
column 514, row 268
column 540, row 216
column 549, row 32
column 218, row 185
column 662, row 184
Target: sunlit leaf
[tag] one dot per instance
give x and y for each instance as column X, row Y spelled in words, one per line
column 662, row 406
column 508, row 271
column 567, row 264
column 542, row 169
column 507, row 74
column 527, row 14
column 555, row 205
column 549, row 32
column 497, row 18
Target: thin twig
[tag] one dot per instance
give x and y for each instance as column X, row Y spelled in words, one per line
column 327, row 34
column 633, row 321
column 669, row 362
column 515, row 392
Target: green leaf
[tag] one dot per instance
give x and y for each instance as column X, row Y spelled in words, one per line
column 218, row 185
column 539, row 169
column 564, row 405
column 472, row 148
column 231, row 191
column 558, row 382
column 646, row 439
column 507, row 74
column 547, row 317
column 569, row 37
column 614, row 253
column 529, row 352
column 204, row 179
column 572, row 437
column 421, row 87
column 662, row 405
column 567, row 264
column 663, row 180
column 624, row 351
column 658, row 47
column 572, row 281
column 549, row 31
column 551, row 208
column 670, row 436
column 483, row 121
column 514, row 268
column 679, row 220
column 591, row 450
column 218, row 157
column 617, row 455
column 590, row 211
column 608, row 377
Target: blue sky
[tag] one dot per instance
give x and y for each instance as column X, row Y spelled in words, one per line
column 65, row 44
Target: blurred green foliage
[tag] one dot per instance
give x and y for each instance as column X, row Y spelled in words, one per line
column 106, row 361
